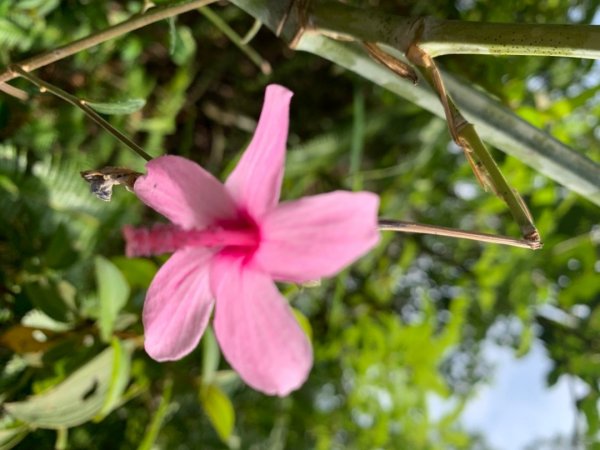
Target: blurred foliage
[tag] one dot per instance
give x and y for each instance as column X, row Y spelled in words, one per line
column 403, row 325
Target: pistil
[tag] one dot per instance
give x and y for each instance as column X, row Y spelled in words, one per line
column 166, row 238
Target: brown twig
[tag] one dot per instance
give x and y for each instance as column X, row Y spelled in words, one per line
column 410, row 227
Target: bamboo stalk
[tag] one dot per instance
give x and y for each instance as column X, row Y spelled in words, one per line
column 442, row 37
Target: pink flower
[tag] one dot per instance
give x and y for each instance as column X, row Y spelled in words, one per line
column 231, row 242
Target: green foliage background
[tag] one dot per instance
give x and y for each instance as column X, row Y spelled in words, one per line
column 405, row 323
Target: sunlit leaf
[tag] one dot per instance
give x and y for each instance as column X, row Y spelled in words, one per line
column 113, row 292
column 210, row 355
column 121, row 107
column 76, row 400
column 183, row 45
column 218, row 409
column 303, row 322
column 11, row 435
column 137, row 271
column 119, row 377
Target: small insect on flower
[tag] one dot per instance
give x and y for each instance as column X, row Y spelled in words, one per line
column 102, row 180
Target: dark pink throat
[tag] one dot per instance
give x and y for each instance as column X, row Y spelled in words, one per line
column 239, row 237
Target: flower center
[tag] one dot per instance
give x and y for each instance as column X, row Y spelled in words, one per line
column 239, row 237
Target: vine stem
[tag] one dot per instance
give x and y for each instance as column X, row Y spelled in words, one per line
column 237, row 40
column 138, row 21
column 44, row 86
column 411, row 227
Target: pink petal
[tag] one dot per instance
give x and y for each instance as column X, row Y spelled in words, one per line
column 255, row 183
column 256, row 329
column 178, row 305
column 184, row 192
column 317, row 236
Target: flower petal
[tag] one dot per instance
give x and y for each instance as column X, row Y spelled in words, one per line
column 184, row 192
column 178, row 305
column 317, row 236
column 256, row 329
column 255, row 183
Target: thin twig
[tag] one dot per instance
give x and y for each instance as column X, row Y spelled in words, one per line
column 252, row 32
column 14, row 92
column 395, row 65
column 410, row 227
column 252, row 54
column 138, row 21
column 44, row 86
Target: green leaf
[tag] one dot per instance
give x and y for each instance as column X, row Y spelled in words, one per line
column 37, row 319
column 41, row 7
column 219, row 410
column 59, row 253
column 12, row 435
column 119, row 378
column 138, row 272
column 76, row 400
column 172, row 21
column 183, row 45
column 113, row 292
column 45, row 295
column 12, row 35
column 589, row 406
column 9, row 186
column 210, row 355
column 121, row 107
column 304, row 323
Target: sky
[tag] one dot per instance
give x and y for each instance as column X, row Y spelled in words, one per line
column 518, row 407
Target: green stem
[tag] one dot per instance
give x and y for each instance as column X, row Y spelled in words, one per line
column 44, row 86
column 263, row 65
column 358, row 138
column 153, row 429
column 252, row 32
column 62, row 439
column 138, row 21
column 442, row 37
